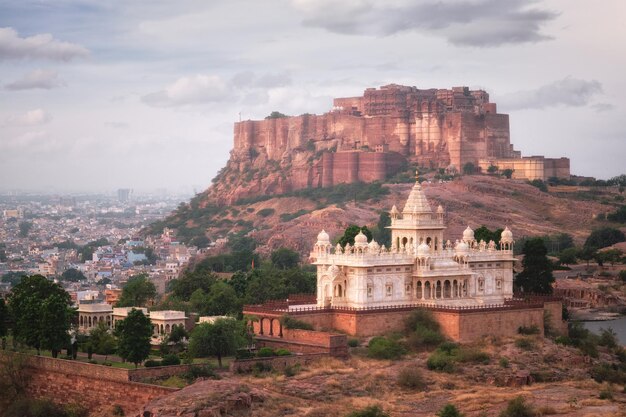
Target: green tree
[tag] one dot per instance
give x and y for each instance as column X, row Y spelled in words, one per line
column 102, row 341
column 351, row 232
column 601, row 238
column 13, row 277
column 618, row 216
column 41, row 312
column 449, row 410
column 483, row 233
column 568, row 256
column 380, row 232
column 539, row 184
column 191, row 281
column 220, row 338
column 25, row 228
column 4, row 319
column 537, row 274
column 610, row 255
column 508, row 173
column 137, row 291
column 222, row 299
column 133, row 334
column 284, row 258
column 492, row 169
column 73, row 275
column 275, row 115
column 586, row 254
column 469, row 168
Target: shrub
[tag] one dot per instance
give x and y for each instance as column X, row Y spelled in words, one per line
column 606, row 394
column 265, row 212
column 243, row 354
column 383, row 348
column 282, row 352
column 440, row 361
column 151, row 363
column 423, row 330
column 449, row 410
column 606, row 372
column 371, row 411
column 517, row 407
column 504, row 362
column 525, row 343
column 265, row 352
column 117, row 410
column 353, row 342
column 528, row 330
column 608, row 338
column 174, row 382
column 200, row 371
column 292, row 370
column 411, row 378
column 170, row 359
column 291, row 323
column 420, row 317
column 261, row 367
column 472, row 355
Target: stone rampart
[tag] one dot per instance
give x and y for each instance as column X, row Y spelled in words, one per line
column 91, row 386
column 278, row 363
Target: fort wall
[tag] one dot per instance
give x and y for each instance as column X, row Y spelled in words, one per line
column 92, row 386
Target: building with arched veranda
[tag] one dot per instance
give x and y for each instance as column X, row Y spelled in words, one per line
column 420, row 267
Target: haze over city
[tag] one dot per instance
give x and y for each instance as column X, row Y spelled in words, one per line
column 98, row 96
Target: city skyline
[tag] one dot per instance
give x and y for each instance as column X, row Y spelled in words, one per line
column 143, row 95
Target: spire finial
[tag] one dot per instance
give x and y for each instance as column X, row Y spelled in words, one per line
column 417, row 176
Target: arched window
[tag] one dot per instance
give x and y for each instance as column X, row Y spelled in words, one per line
column 447, row 289
column 438, row 290
column 418, row 289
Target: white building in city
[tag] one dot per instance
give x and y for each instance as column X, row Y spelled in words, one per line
column 420, row 267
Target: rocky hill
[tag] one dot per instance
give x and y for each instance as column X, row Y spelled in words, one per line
column 554, row 380
column 294, row 219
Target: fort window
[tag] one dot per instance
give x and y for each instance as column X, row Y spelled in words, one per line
column 418, row 289
column 389, row 290
column 369, row 291
column 397, row 269
column 379, row 270
column 488, row 265
column 408, row 289
column 481, row 284
column 387, row 269
column 438, row 290
column 498, row 264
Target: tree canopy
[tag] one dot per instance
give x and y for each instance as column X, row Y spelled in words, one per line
column 102, row 341
column 134, row 333
column 73, row 275
column 483, row 233
column 601, row 238
column 220, row 338
column 350, row 233
column 4, row 318
column 42, row 314
column 537, row 274
column 137, row 291
column 284, row 258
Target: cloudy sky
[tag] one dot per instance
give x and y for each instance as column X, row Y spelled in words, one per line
column 98, row 95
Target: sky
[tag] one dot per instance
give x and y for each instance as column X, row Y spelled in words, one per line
column 100, row 95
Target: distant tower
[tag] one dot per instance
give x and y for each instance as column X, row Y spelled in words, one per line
column 124, row 195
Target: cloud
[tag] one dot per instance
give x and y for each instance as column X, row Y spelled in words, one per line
column 566, row 92
column 480, row 23
column 245, row 87
column 602, row 107
column 117, row 125
column 195, row 89
column 39, row 78
column 42, row 46
column 35, row 117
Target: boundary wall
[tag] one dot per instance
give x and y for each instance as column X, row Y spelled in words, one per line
column 91, row 386
column 464, row 324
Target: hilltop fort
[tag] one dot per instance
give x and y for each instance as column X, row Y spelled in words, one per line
column 371, row 137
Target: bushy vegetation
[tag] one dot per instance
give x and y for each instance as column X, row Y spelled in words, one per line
column 518, row 407
column 371, row 411
column 266, row 212
column 422, row 330
column 292, row 323
column 449, row 410
column 528, row 330
column 285, row 217
column 381, row 347
column 27, row 407
column 411, row 378
column 446, row 357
